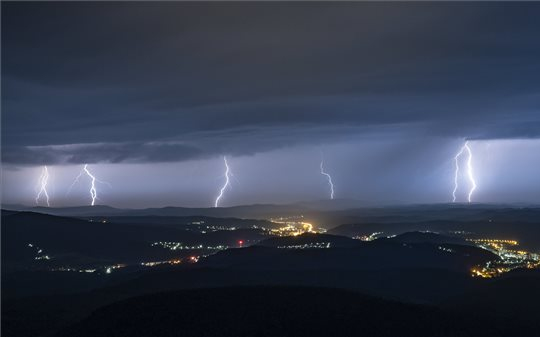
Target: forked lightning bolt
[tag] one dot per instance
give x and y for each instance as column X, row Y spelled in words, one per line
column 227, row 181
column 42, row 185
column 470, row 175
column 330, row 183
column 93, row 180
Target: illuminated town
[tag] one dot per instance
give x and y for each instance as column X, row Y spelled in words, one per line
column 509, row 258
column 314, row 245
column 180, row 246
column 369, row 237
column 101, row 270
column 40, row 255
column 191, row 259
column 293, row 226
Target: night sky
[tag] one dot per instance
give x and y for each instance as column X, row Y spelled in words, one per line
column 153, row 95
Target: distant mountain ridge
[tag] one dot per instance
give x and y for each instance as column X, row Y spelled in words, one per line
column 328, row 213
column 102, row 210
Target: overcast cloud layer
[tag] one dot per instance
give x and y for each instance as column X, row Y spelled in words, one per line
column 152, row 95
column 161, row 82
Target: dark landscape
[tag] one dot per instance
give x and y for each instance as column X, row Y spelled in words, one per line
column 105, row 275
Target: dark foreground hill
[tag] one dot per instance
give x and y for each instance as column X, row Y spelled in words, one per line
column 279, row 311
column 285, row 254
column 513, row 297
column 506, row 301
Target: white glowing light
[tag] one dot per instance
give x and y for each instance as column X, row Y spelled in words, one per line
column 470, row 175
column 330, row 183
column 470, row 172
column 93, row 180
column 227, row 179
column 93, row 191
column 42, row 185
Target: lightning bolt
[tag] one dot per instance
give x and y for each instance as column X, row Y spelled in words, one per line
column 227, row 179
column 470, row 172
column 464, row 148
column 330, row 183
column 93, row 191
column 42, row 185
column 93, row 180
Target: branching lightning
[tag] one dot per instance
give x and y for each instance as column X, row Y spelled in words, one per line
column 75, row 181
column 42, row 185
column 330, row 183
column 227, row 179
column 470, row 175
column 93, row 180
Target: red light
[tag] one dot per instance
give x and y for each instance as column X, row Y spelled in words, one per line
column 240, row 242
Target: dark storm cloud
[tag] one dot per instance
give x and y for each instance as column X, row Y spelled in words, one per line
column 137, row 82
column 205, row 144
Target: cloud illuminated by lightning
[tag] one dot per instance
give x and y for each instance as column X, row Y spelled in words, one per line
column 330, row 183
column 227, row 179
column 93, row 180
column 42, row 185
column 470, row 175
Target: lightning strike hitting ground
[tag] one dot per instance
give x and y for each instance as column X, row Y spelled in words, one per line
column 227, row 179
column 330, row 183
column 42, row 185
column 93, row 180
column 470, row 175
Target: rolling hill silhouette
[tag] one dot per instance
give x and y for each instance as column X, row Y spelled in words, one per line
column 280, row 311
column 82, row 241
